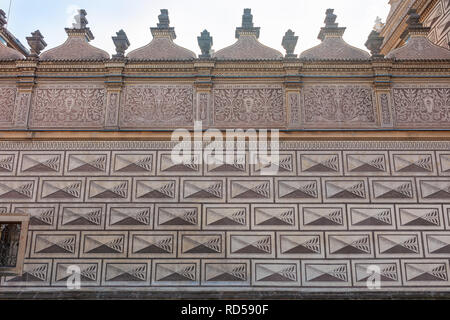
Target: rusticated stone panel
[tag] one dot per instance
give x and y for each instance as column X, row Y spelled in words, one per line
column 157, row 106
column 429, row 106
column 130, row 218
column 68, row 106
column 7, row 102
column 249, row 106
column 338, row 105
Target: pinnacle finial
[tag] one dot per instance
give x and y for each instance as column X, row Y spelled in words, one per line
column 122, row 44
column 36, row 43
column 374, row 43
column 247, row 19
column 414, row 25
column 331, row 27
column 163, row 28
column 413, row 18
column 330, row 19
column 163, row 18
column 205, row 42
column 80, row 26
column 379, row 25
column 80, row 20
column 247, row 25
column 289, row 43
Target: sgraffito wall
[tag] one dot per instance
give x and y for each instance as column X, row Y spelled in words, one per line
column 130, row 218
column 164, row 106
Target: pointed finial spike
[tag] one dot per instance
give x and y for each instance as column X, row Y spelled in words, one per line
column 163, row 18
column 36, row 43
column 247, row 25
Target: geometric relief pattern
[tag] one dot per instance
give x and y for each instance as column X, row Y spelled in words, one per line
column 74, row 217
column 366, row 163
column 129, row 218
column 126, row 216
column 42, row 216
column 126, row 273
column 413, row 163
column 285, row 166
column 104, row 244
column 392, row 190
column 8, row 163
column 90, row 164
column 435, row 190
column 40, row 164
column 320, row 163
column 133, row 163
column 89, row 272
column 61, row 190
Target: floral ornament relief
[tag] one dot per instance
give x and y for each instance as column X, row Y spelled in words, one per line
column 112, row 109
column 294, row 103
column 425, row 106
column 203, row 105
column 385, row 110
column 69, row 107
column 7, row 102
column 343, row 104
column 249, row 107
column 157, row 106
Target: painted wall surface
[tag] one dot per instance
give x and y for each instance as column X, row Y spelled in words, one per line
column 129, row 218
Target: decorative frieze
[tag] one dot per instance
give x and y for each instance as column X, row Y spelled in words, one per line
column 7, row 103
column 68, row 106
column 338, row 105
column 249, row 106
column 422, row 106
column 157, row 106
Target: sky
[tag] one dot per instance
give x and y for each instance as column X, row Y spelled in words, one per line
column 190, row 17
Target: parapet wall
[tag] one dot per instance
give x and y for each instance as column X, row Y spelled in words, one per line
column 132, row 220
column 285, row 94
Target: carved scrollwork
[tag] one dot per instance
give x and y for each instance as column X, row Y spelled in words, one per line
column 422, row 106
column 157, row 106
column 249, row 107
column 69, row 107
column 7, row 102
column 339, row 104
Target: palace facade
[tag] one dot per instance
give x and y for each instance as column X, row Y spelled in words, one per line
column 363, row 179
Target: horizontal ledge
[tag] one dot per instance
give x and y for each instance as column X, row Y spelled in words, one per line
column 141, row 293
column 319, row 135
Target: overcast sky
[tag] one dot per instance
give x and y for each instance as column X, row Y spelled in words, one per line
column 190, row 17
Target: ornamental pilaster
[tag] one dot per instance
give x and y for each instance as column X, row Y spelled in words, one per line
column 203, row 92
column 382, row 89
column 114, row 84
column 26, row 73
column 293, row 86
